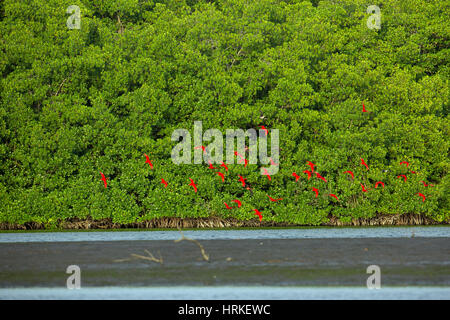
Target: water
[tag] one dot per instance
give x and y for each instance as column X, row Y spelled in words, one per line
column 297, row 233
column 224, row 291
column 229, row 293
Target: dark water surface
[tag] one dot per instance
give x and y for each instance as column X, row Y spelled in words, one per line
column 323, row 263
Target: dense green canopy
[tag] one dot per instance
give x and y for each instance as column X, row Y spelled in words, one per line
column 75, row 102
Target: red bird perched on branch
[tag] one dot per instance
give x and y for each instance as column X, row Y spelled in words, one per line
column 274, row 200
column 312, row 165
column 316, row 191
column 379, row 182
column 238, row 202
column 228, row 207
column 334, row 196
column 402, row 176
column 364, row 163
column 221, row 175
column 241, row 179
column 296, row 176
column 405, row 162
column 421, row 195
column 148, row 161
column 351, row 173
column 224, row 165
column 363, row 188
column 267, row 174
column 164, row 182
column 193, row 185
column 320, row 177
column 237, row 154
column 364, row 107
column 259, row 214
column 265, row 130
column 427, row 185
column 104, row 179
column 309, row 173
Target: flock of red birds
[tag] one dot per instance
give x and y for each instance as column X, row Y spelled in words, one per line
column 363, row 187
column 310, row 173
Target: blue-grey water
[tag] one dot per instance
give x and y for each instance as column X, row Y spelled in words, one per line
column 229, row 293
column 414, row 290
column 297, row 233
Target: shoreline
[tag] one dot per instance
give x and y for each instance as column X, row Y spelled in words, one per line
column 218, row 223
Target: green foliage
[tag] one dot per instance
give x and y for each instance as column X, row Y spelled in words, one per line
column 76, row 102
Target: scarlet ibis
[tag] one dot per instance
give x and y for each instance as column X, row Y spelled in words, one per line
column 259, row 214
column 364, row 163
column 193, row 185
column 274, row 200
column 104, row 179
column 148, row 161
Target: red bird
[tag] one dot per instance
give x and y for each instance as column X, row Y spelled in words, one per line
column 405, row 162
column 202, row 147
column 164, row 182
column 241, row 179
column 267, row 174
column 228, row 207
column 238, row 203
column 265, row 130
column 364, row 107
column 274, row 200
column 351, row 173
column 363, row 188
column 296, row 176
column 104, row 179
column 364, row 163
column 224, row 165
column 309, row 173
column 221, row 175
column 193, row 185
column 316, row 191
column 237, row 154
column 427, row 185
column 312, row 165
column 210, row 165
column 379, row 182
column 421, row 195
column 259, row 214
column 334, row 196
column 148, row 161
column 402, row 176
column 320, row 177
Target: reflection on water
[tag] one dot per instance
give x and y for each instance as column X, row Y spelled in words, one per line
column 298, row 233
column 229, row 293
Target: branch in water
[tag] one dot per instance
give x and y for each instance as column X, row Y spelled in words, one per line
column 204, row 254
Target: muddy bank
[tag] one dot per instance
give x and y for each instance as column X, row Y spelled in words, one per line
column 302, row 262
column 216, row 222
